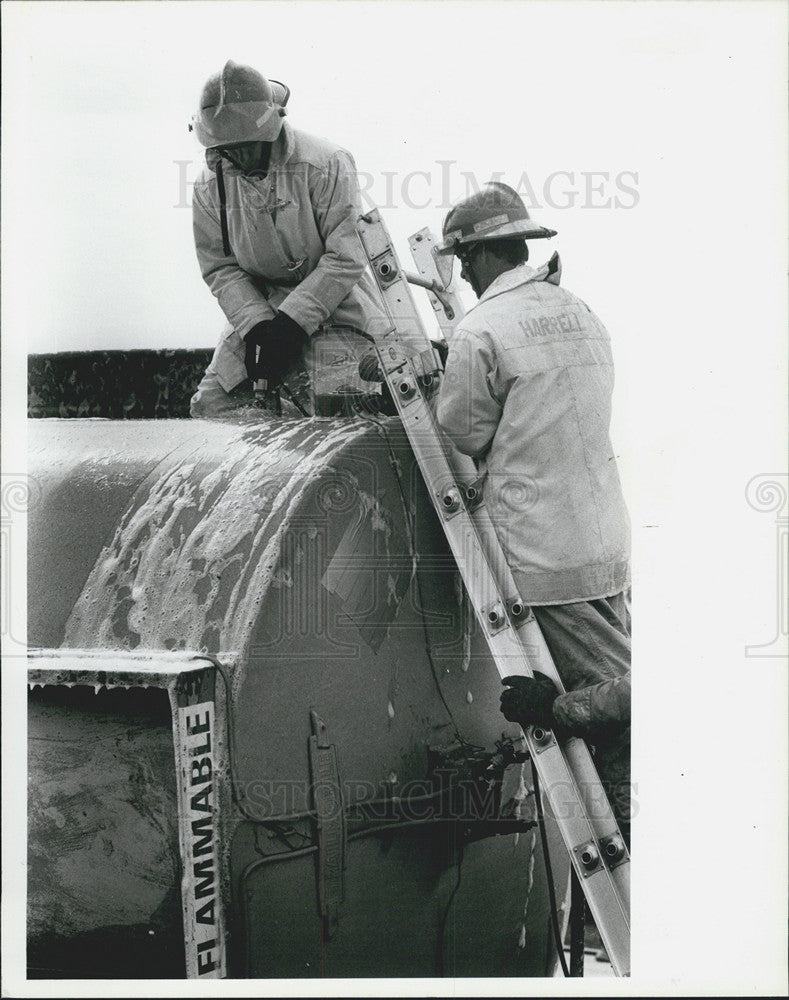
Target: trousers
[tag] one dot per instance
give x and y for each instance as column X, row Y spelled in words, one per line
column 589, row 641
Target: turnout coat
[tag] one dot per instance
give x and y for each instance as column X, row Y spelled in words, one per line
column 294, row 244
column 527, row 392
column 596, row 709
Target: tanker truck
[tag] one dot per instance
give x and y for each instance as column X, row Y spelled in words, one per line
column 264, row 736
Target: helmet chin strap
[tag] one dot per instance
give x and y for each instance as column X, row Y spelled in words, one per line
column 261, row 167
column 226, row 156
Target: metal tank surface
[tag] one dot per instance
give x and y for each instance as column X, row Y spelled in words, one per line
column 264, row 732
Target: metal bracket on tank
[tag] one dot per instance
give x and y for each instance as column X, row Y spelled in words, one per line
column 332, row 834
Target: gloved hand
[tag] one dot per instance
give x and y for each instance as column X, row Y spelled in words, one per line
column 281, row 341
column 442, row 349
column 375, row 403
column 369, row 369
column 529, row 700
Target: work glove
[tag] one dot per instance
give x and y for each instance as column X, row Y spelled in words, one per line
column 529, row 700
column 281, row 341
column 369, row 369
column 442, row 349
column 376, row 402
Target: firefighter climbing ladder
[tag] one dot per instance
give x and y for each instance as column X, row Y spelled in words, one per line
column 567, row 775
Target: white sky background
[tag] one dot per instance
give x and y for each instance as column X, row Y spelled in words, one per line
column 97, row 226
column 689, row 279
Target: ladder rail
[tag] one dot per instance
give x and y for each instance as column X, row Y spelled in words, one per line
column 568, row 779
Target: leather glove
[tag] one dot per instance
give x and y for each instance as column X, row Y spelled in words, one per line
column 281, row 341
column 529, row 700
column 375, row 403
column 442, row 349
column 369, row 369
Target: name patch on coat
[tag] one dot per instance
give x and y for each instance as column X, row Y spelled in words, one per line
column 551, row 326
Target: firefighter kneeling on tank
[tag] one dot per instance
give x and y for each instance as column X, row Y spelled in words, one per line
column 274, row 214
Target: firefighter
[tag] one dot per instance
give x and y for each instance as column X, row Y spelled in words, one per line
column 274, row 214
column 527, row 393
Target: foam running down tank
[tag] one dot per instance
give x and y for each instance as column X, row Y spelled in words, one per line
column 264, row 734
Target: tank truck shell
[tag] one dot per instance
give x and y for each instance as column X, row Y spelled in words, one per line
column 281, row 589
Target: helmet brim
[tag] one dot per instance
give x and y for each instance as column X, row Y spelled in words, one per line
column 250, row 121
column 522, row 228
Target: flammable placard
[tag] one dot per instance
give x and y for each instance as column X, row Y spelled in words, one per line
column 198, row 802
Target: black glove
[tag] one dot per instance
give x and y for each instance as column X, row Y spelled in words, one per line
column 442, row 349
column 281, row 341
column 529, row 700
column 376, row 402
column 369, row 369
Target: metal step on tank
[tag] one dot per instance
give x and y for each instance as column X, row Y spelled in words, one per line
column 264, row 733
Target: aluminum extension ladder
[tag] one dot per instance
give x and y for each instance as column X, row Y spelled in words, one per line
column 568, row 778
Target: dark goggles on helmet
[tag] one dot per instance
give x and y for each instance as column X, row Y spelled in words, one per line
column 465, row 252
